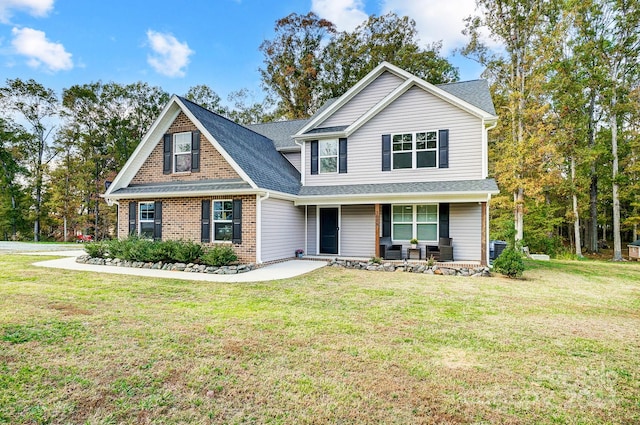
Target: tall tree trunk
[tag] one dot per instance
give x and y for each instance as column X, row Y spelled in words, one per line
column 617, row 243
column 576, row 216
column 518, row 200
column 593, row 189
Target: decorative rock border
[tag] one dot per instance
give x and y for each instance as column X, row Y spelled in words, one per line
column 181, row 267
column 439, row 269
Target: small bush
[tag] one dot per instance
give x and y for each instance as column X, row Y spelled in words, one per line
column 97, row 249
column 509, row 263
column 376, row 260
column 184, row 251
column 219, row 255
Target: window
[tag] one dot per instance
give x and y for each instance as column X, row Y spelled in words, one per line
column 415, row 221
column 147, row 216
column 182, row 152
column 222, row 220
column 402, row 151
column 424, row 144
column 328, row 155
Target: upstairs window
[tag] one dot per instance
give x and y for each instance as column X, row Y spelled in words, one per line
column 182, row 152
column 328, row 156
column 415, row 150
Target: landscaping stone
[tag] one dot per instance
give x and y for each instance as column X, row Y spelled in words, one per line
column 413, row 267
column 191, row 267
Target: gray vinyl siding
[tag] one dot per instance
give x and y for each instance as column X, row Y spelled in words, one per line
column 466, row 230
column 282, row 229
column 357, row 231
column 311, row 230
column 415, row 110
column 294, row 159
column 363, row 101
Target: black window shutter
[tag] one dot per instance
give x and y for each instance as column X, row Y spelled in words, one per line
column 314, row 157
column 236, row 234
column 133, row 218
column 444, row 220
column 342, row 155
column 205, row 223
column 386, row 220
column 157, row 221
column 386, row 152
column 195, row 151
column 167, row 154
column 443, row 149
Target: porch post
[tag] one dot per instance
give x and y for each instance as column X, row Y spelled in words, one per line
column 483, row 237
column 377, row 237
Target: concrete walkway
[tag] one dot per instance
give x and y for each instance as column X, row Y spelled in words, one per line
column 277, row 271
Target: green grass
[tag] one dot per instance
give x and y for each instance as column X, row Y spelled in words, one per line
column 560, row 346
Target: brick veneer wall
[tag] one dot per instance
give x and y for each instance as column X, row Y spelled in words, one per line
column 212, row 164
column 181, row 220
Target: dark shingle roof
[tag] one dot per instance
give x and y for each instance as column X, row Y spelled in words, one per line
column 183, row 186
column 253, row 152
column 484, row 185
column 319, row 130
column 279, row 131
column 475, row 92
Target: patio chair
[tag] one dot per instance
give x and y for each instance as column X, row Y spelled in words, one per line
column 388, row 251
column 443, row 251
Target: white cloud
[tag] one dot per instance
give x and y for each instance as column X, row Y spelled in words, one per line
column 345, row 14
column 170, row 56
column 436, row 19
column 33, row 7
column 40, row 52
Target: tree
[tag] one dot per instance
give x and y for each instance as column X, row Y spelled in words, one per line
column 38, row 106
column 519, row 26
column 204, row 96
column 351, row 55
column 12, row 209
column 293, row 63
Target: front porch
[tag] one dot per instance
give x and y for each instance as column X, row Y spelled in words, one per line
column 403, row 262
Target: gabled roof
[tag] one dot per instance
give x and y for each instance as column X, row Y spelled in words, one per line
column 469, row 96
column 250, row 154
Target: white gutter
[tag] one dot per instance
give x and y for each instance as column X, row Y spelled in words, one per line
column 259, row 226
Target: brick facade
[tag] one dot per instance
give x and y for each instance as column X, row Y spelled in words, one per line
column 212, row 164
column 181, row 220
column 181, row 216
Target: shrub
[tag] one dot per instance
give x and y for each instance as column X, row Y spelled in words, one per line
column 97, row 249
column 183, row 251
column 509, row 263
column 219, row 255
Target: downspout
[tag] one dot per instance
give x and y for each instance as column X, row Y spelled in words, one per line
column 485, row 148
column 259, row 226
column 302, row 160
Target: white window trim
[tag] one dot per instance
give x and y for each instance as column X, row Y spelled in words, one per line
column 214, row 221
column 414, row 150
column 336, row 156
column 414, row 223
column 175, row 154
column 140, row 220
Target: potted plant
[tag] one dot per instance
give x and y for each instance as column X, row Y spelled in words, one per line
column 414, row 243
column 299, row 253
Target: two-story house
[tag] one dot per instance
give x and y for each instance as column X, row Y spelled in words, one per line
column 394, row 157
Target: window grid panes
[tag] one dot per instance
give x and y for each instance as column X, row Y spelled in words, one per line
column 415, row 221
column 182, row 152
column 222, row 220
column 424, row 144
column 328, row 156
column 402, row 146
column 146, row 217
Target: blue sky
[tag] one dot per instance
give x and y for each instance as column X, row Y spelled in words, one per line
column 176, row 45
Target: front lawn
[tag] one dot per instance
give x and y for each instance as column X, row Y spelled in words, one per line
column 334, row 346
